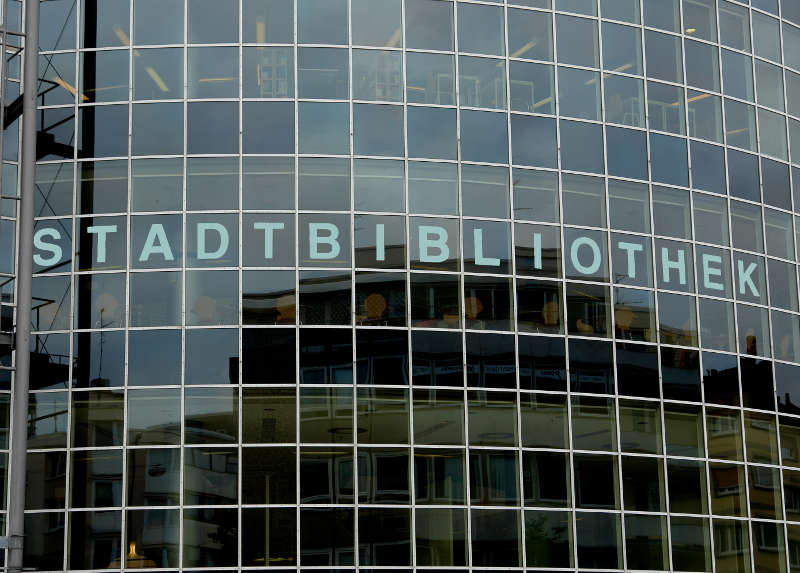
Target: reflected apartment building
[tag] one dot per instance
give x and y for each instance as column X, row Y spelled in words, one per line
column 411, row 285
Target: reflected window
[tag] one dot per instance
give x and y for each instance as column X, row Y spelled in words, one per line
column 268, row 72
column 429, row 78
column 154, row 417
column 211, row 415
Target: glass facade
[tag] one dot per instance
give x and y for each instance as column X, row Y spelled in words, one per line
column 399, row 285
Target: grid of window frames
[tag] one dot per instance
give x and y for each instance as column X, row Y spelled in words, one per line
column 396, row 284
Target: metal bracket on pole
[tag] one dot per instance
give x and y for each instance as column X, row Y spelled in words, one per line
column 13, row 542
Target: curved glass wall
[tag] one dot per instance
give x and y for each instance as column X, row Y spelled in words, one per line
column 417, row 284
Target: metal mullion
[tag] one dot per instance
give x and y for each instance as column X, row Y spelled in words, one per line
column 460, row 275
column 515, row 314
column 412, row 491
column 612, row 333
column 351, row 139
column 296, row 279
column 126, row 415
column 792, row 199
column 563, row 284
column 184, row 219
column 240, row 288
column 751, row 546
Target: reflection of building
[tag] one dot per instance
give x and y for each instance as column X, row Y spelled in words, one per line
column 411, row 285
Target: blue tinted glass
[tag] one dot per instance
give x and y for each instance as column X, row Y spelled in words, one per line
column 627, row 153
column 484, row 136
column 708, row 167
column 533, row 141
column 582, row 146
column 432, row 132
column 669, row 160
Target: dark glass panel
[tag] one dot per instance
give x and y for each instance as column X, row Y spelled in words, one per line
column 548, row 539
column 542, row 364
column 211, row 415
column 438, row 417
column 544, row 421
column 327, row 536
column 268, row 415
column 637, row 370
column 103, row 131
column 325, row 297
column 154, row 417
column 381, row 299
column 591, row 366
column 546, row 479
column 97, row 418
column 210, row 537
column 645, row 541
column 440, row 537
column 684, row 431
column 96, row 478
column 490, row 360
column 680, row 374
column 155, row 536
column 269, row 538
column 95, row 539
column 494, row 478
column 439, row 477
column 326, row 415
column 210, row 476
column 787, row 379
column 724, row 434
column 435, row 301
column 596, row 482
column 44, row 541
column 382, row 416
column 326, row 356
column 640, row 427
column 687, row 486
column 437, row 358
column 594, row 424
column 98, row 359
column 599, row 540
column 46, row 480
column 492, row 418
column 384, row 536
column 154, row 357
column 154, row 476
column 588, row 312
column 643, row 484
column 757, row 391
column 381, row 357
column 326, row 475
column 383, row 475
column 47, row 420
column 495, row 538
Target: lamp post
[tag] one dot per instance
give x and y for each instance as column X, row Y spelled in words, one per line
column 19, row 406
